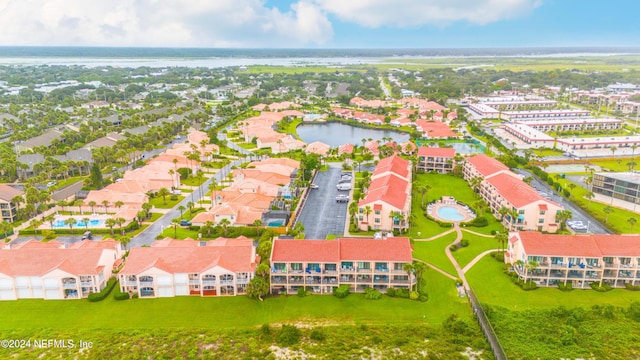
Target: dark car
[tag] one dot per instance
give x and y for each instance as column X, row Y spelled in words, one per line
column 185, row 223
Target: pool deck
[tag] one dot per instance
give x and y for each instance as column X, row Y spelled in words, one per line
column 432, row 210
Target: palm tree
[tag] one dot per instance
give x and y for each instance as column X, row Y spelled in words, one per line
column 503, row 211
column 475, row 183
column 613, row 150
column 502, row 237
column 181, row 208
column 164, row 193
column 424, row 189
column 147, row 208
column 224, row 223
column 419, row 267
column 71, row 222
column 208, row 225
column 121, row 221
column 589, row 195
column 92, row 204
column 141, row 215
column 110, row 222
column 571, row 187
column 125, row 240
column 258, row 224
column 367, row 212
column 213, row 187
column 79, row 204
column 34, row 224
column 85, row 221
column 607, row 210
column 50, row 219
column 105, row 203
column 17, row 200
column 118, row 204
column 175, row 222
column 562, row 217
column 190, row 206
column 5, row 226
column 172, row 172
column 61, row 204
column 408, row 268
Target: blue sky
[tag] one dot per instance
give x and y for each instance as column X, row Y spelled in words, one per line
column 320, row 23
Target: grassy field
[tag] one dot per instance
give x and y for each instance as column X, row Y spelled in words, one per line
column 235, row 312
column 477, row 245
column 159, row 202
column 619, row 164
column 433, row 252
column 291, row 127
column 494, row 288
column 154, row 217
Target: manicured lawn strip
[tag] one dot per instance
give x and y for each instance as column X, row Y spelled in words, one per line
column 617, row 219
column 433, row 252
column 290, row 127
column 154, row 217
column 158, row 202
column 494, row 288
column 193, row 181
column 477, row 245
column 180, row 233
column 615, row 164
column 234, row 312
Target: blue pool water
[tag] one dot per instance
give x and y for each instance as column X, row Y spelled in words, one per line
column 450, row 213
column 92, row 223
column 278, row 222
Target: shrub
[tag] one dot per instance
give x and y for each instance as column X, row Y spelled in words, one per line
column 404, row 293
column 289, row 335
column 95, row 297
column 372, row 294
column 499, row 256
column 391, row 292
column 317, row 335
column 464, row 243
column 480, row 221
column 341, row 291
column 563, row 287
column 453, row 247
column 529, row 285
column 121, row 296
column 414, row 295
column 265, row 330
column 632, row 287
column 302, row 292
column 423, row 298
column 605, row 287
column 135, row 296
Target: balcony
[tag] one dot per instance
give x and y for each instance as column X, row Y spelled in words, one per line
column 194, row 282
column 86, row 283
column 242, row 280
column 130, row 283
column 69, row 285
column 146, row 283
column 625, row 274
column 278, row 280
column 225, row 282
column 397, row 281
column 381, row 270
column 347, row 279
column 363, row 270
column 346, row 269
column 296, row 280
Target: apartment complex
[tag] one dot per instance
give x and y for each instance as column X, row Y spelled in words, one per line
column 187, row 267
column 624, row 185
column 501, row 188
column 52, row 271
column 322, row 265
column 440, row 160
column 8, row 208
column 576, row 259
column 387, row 203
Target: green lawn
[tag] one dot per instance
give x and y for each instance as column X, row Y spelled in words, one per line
column 179, row 233
column 234, row 312
column 159, row 202
column 617, row 220
column 477, row 245
column 493, row 287
column 433, row 252
column 290, row 127
column 192, row 181
column 619, row 164
column 154, row 216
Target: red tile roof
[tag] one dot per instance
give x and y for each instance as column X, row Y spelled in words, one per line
column 594, row 245
column 393, row 164
column 354, row 249
column 38, row 261
column 514, row 190
column 436, row 152
column 390, row 189
column 435, row 129
column 486, row 165
column 187, row 256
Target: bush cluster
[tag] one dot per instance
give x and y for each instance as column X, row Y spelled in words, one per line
column 563, row 287
column 632, row 287
column 289, row 335
column 442, row 224
column 341, row 291
column 95, row 297
column 121, row 296
column 524, row 285
column 372, row 294
column 604, row 288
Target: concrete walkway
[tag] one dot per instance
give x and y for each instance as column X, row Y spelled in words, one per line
column 479, row 234
column 436, row 269
column 435, row 237
column 447, row 251
column 478, row 258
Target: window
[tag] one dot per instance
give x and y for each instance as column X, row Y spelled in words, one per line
column 361, row 218
column 364, row 265
column 521, row 212
column 377, row 220
column 398, row 266
column 377, row 212
column 540, row 221
column 279, row 266
column 542, row 212
column 361, row 211
column 381, row 266
column 330, row 267
column 296, row 266
column 313, row 266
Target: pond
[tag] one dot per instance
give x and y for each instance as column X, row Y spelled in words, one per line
column 336, row 134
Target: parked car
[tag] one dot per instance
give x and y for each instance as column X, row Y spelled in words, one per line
column 343, row 181
column 185, row 223
column 342, row 198
column 313, row 186
column 343, row 187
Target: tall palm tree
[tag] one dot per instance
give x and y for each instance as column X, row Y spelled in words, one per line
column 224, row 223
column 92, row 204
column 213, row 187
column 632, row 221
column 589, row 195
column 562, row 217
column 607, row 210
column 105, row 203
column 181, row 208
column 408, row 268
column 118, row 204
column 367, row 212
column 174, row 223
column 110, row 222
column 71, row 222
column 50, row 219
column 85, row 221
column 164, row 193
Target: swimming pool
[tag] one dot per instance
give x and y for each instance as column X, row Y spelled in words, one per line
column 94, row 223
column 450, row 213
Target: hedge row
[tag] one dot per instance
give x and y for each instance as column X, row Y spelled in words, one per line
column 95, row 297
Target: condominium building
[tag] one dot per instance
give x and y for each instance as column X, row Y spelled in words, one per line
column 624, row 185
column 387, row 203
column 322, row 265
column 576, row 259
column 8, row 208
column 187, row 267
column 37, row 270
column 500, row 188
column 438, row 160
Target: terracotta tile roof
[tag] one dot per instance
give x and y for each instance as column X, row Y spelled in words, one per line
column 435, row 129
column 436, row 152
column 8, row 192
column 486, row 165
column 594, row 245
column 37, row 261
column 390, row 189
column 353, row 249
column 516, row 191
column 388, row 249
column 345, row 149
column 393, row 164
column 187, row 256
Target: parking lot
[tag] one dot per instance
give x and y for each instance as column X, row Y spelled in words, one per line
column 322, row 214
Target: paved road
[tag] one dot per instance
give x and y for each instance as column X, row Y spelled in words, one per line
column 543, row 188
column 321, row 214
column 148, row 236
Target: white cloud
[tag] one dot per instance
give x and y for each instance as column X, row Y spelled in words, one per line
column 179, row 23
column 411, row 13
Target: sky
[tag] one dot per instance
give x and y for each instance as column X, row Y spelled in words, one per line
column 320, row 23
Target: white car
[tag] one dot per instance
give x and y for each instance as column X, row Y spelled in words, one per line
column 313, row 186
column 342, row 198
